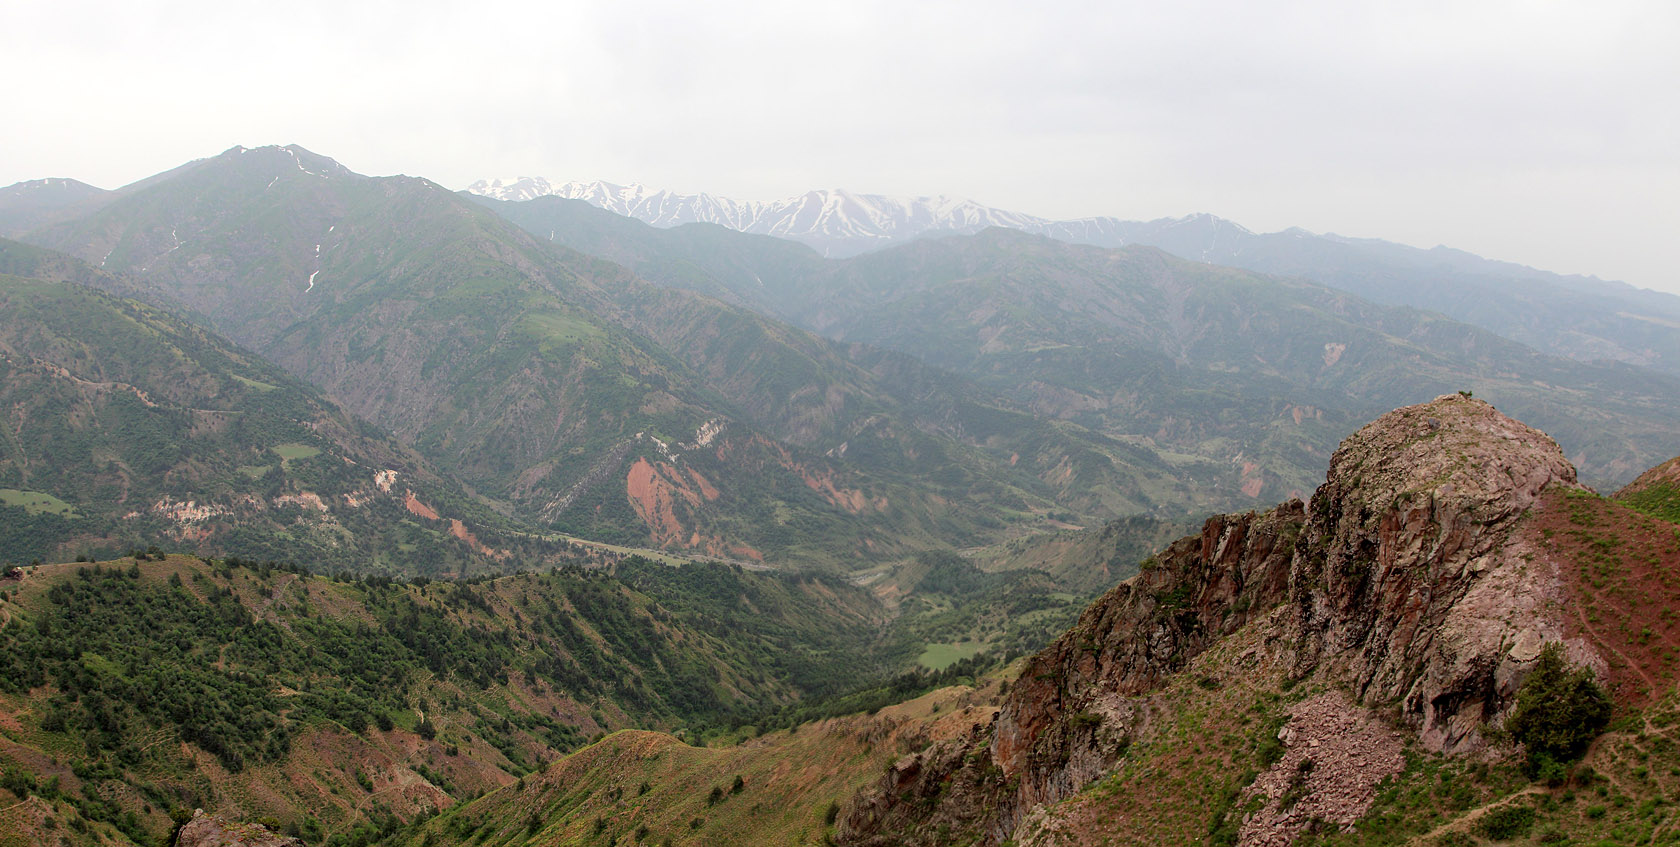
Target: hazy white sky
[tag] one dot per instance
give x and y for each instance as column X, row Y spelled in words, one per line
column 1541, row 132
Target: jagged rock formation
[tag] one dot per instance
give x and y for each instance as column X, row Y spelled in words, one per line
column 1200, row 588
column 205, row 830
column 1404, row 584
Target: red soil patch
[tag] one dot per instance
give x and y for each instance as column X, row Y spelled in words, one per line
column 1621, row 572
column 821, row 480
column 746, row 552
column 459, row 530
column 414, row 505
column 654, row 489
column 1252, row 480
column 850, row 499
column 653, row 495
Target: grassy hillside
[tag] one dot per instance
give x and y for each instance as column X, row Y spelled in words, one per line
column 781, row 788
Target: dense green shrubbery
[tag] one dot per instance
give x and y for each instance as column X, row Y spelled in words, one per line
column 1658, row 500
column 1506, row 822
column 1559, row 711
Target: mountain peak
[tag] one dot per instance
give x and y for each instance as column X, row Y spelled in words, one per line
column 286, row 158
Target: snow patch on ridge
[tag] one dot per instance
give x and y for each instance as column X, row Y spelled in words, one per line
column 836, row 222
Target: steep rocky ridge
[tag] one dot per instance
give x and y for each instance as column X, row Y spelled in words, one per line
column 1408, row 583
column 1404, row 584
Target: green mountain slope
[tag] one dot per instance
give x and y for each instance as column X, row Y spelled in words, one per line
column 338, row 707
column 467, row 339
column 1579, row 317
column 1133, row 342
column 127, row 426
column 586, row 399
column 1248, row 371
column 30, row 205
column 851, row 390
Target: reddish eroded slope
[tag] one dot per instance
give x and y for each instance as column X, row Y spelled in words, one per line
column 653, row 493
column 663, row 494
column 760, row 454
column 1621, row 573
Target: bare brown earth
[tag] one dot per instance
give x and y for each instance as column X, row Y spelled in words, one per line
column 414, row 505
column 1621, row 571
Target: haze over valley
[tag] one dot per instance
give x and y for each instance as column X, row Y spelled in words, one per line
column 343, row 509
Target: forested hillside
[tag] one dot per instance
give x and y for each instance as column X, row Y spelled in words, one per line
column 140, row 686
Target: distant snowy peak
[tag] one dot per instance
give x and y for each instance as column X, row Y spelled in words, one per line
column 836, row 223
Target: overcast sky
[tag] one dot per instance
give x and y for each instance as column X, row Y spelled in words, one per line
column 1546, row 133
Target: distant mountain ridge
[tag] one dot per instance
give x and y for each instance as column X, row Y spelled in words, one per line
column 837, row 223
column 581, row 398
column 1581, row 317
column 25, row 205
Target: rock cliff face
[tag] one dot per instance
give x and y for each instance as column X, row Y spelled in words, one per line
column 1404, row 585
column 1407, row 583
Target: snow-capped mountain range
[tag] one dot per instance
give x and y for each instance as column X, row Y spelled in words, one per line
column 837, row 223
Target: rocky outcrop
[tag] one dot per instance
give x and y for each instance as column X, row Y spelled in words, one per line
column 1404, row 585
column 205, row 830
column 1408, row 584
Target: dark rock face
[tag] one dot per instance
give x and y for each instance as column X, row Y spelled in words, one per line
column 1404, row 581
column 206, row 830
